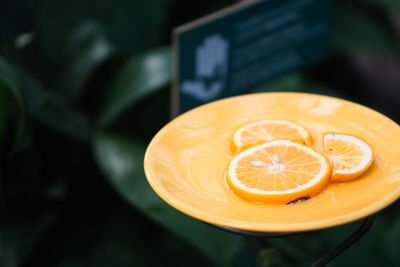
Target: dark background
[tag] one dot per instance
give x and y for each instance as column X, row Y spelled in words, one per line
column 77, row 109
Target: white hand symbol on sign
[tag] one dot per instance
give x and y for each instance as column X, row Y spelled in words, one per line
column 211, row 68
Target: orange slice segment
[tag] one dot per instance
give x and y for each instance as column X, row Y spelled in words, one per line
column 349, row 155
column 278, row 172
column 268, row 130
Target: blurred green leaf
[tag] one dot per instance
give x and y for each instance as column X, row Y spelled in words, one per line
column 56, row 20
column 392, row 241
column 292, row 248
column 390, row 5
column 369, row 251
column 121, row 160
column 9, row 78
column 139, row 77
column 52, row 110
column 126, row 239
column 296, row 82
column 132, row 26
column 87, row 48
column 46, row 106
column 18, row 240
column 269, row 257
column 291, row 83
column 138, row 32
column 9, row 81
column 357, row 31
column 2, row 111
column 247, row 253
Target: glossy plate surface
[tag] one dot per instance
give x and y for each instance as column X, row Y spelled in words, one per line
column 186, row 161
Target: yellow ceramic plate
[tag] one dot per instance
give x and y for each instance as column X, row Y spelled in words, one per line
column 185, row 163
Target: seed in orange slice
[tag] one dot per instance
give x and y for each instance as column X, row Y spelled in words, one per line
column 278, row 172
column 268, row 130
column 349, row 155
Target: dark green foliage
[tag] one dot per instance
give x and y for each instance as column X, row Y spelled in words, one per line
column 84, row 86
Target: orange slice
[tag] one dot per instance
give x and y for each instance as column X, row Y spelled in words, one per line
column 278, row 172
column 349, row 155
column 268, row 130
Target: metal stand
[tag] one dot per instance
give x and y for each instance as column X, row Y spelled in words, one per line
column 348, row 242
